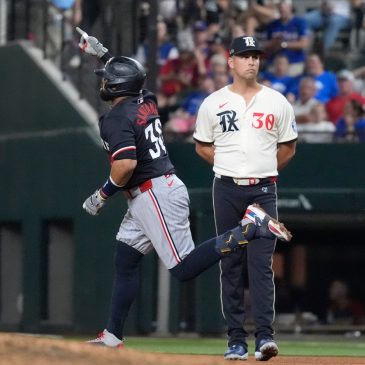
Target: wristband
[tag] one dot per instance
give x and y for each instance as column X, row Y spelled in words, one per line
column 109, row 188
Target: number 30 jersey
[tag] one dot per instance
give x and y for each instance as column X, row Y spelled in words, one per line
column 245, row 136
column 132, row 130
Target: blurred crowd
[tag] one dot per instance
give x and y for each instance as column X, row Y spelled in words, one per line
column 300, row 42
column 193, row 41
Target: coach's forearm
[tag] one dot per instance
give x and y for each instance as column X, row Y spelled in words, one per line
column 285, row 153
column 205, row 151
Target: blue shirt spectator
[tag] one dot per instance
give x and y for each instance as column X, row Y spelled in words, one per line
column 288, row 35
column 279, row 78
column 326, row 81
column 63, row 4
column 351, row 127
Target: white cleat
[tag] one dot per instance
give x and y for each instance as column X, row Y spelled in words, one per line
column 106, row 338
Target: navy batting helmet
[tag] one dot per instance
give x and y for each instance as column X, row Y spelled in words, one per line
column 123, row 76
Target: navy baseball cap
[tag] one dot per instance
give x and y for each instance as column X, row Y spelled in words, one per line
column 245, row 44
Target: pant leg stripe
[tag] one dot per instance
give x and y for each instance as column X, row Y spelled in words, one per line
column 164, row 226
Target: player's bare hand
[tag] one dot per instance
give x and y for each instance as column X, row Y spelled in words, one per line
column 94, row 203
column 91, row 45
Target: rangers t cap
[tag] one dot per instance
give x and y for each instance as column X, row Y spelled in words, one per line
column 245, row 44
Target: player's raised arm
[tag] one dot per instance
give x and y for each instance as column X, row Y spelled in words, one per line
column 92, row 46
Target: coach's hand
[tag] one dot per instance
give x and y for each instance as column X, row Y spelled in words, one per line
column 94, row 203
column 91, row 45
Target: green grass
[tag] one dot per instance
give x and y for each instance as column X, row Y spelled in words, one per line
column 207, row 346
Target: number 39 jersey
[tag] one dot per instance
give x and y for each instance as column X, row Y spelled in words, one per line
column 245, row 137
column 132, row 130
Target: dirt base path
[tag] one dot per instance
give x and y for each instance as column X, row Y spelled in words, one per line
column 28, row 350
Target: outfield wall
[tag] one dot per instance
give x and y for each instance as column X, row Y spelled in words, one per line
column 56, row 261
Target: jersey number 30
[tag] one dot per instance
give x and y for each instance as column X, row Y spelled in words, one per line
column 153, row 133
column 261, row 120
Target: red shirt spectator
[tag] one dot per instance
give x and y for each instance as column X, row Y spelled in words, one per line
column 179, row 74
column 335, row 107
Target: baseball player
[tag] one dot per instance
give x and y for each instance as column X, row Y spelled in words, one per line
column 247, row 131
column 158, row 202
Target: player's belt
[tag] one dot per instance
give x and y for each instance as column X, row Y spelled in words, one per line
column 246, row 181
column 141, row 188
column 132, row 193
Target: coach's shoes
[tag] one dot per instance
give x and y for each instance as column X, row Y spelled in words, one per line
column 266, row 349
column 236, row 352
column 266, row 226
column 106, row 338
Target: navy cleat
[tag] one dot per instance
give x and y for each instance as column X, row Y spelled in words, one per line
column 266, row 226
column 266, row 349
column 228, row 242
column 236, row 352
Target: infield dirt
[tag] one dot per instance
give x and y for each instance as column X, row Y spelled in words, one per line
column 17, row 349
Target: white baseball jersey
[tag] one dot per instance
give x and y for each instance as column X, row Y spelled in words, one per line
column 245, row 136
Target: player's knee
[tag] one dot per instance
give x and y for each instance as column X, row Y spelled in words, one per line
column 126, row 258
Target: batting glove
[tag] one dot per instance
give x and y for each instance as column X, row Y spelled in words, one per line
column 94, row 203
column 91, row 45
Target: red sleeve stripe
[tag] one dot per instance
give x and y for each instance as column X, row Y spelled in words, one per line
column 122, row 150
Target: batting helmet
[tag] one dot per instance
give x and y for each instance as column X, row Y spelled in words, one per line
column 123, row 76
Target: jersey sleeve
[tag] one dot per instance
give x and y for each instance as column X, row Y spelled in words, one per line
column 287, row 127
column 119, row 136
column 203, row 128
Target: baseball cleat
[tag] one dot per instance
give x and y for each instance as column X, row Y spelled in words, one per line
column 236, row 352
column 106, row 338
column 266, row 349
column 262, row 220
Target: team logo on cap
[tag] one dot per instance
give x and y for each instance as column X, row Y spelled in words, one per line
column 250, row 42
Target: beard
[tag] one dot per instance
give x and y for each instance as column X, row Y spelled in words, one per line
column 104, row 95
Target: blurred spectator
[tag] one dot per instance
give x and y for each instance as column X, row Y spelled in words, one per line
column 351, row 127
column 177, row 76
column 217, row 46
column 201, row 36
column 359, row 74
column 333, row 16
column 260, row 13
column 166, row 49
column 335, row 107
column 326, row 82
column 288, row 35
column 237, row 30
column 306, row 100
column 91, row 10
column 195, row 38
column 342, row 309
column 182, row 121
column 218, row 64
column 67, row 12
column 319, row 129
column 221, row 79
column 168, row 10
column 279, row 78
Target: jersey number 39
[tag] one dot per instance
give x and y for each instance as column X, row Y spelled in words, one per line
column 153, row 133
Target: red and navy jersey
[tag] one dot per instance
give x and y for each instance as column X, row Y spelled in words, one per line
column 132, row 130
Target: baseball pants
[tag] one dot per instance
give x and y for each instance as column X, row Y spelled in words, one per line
column 230, row 202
